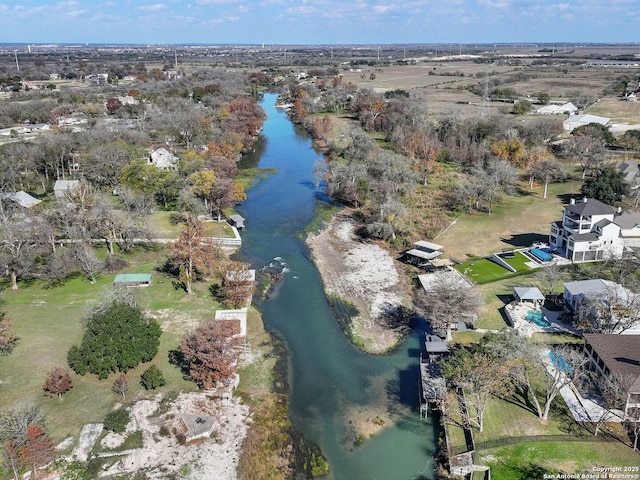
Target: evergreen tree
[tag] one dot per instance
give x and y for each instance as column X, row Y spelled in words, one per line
column 608, row 186
column 117, row 338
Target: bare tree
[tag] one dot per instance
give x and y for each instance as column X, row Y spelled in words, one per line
column 192, row 254
column 448, row 299
column 14, row 423
column 8, row 339
column 614, row 391
column 477, row 370
column 20, row 243
column 567, row 366
column 632, row 422
column 614, row 311
column 550, row 276
column 88, row 261
column 550, row 170
column 238, row 286
column 588, row 150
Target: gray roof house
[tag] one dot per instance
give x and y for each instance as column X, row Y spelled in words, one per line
column 62, row 187
column 631, row 172
column 629, row 223
column 21, row 198
column 575, row 121
column 587, row 232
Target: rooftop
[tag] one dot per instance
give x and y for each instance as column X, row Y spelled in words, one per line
column 620, row 353
column 589, row 206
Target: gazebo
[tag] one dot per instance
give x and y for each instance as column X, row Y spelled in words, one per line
column 528, row 294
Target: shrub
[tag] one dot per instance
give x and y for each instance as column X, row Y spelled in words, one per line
column 117, row 420
column 152, row 378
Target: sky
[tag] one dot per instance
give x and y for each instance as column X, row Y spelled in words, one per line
column 318, row 22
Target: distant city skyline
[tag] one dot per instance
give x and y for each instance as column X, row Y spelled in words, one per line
column 298, row 22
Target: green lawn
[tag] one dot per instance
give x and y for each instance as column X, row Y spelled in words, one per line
column 533, row 460
column 163, row 225
column 506, row 421
column 49, row 320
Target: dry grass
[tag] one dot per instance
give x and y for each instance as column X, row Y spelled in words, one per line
column 517, row 221
column 617, row 110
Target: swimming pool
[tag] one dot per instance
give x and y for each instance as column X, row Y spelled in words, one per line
column 537, row 317
column 560, row 363
column 541, row 255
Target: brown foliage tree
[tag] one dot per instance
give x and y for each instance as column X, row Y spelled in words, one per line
column 192, row 253
column 7, row 338
column 120, row 385
column 37, row 450
column 237, row 287
column 57, row 383
column 211, row 352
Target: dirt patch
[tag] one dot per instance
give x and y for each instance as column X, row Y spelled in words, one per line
column 369, row 294
column 162, row 455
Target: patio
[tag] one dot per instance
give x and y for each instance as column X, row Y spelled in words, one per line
column 518, row 312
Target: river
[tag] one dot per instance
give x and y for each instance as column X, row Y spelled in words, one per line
column 328, row 378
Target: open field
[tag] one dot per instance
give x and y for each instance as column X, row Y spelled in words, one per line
column 617, row 110
column 517, row 222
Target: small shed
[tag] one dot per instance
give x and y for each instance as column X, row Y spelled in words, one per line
column 132, row 280
column 528, row 294
column 195, row 427
column 236, row 221
column 423, row 253
column 62, row 187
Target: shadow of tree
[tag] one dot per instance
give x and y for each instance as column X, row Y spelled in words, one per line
column 525, row 239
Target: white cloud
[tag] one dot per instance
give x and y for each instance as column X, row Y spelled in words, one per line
column 156, row 7
column 217, row 2
column 496, row 3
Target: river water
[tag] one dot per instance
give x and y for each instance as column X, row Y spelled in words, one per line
column 330, row 381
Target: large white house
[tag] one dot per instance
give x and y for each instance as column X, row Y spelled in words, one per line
column 587, row 232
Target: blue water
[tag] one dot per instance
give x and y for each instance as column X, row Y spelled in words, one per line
column 537, row 317
column 330, row 382
column 541, row 254
column 560, row 363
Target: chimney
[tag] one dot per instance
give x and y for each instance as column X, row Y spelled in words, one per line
column 572, row 201
column 584, row 200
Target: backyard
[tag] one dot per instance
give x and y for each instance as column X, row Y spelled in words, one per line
column 514, row 440
column 49, row 319
column 518, row 221
column 485, row 270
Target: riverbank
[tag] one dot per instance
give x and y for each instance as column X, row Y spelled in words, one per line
column 370, row 296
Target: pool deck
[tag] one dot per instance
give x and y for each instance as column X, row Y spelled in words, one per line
column 517, row 315
column 582, row 408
